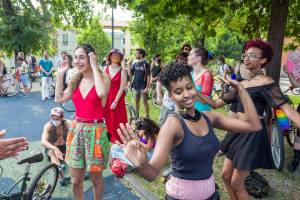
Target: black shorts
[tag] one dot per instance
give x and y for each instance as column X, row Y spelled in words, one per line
column 62, row 148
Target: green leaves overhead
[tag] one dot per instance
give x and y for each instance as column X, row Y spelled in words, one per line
column 94, row 35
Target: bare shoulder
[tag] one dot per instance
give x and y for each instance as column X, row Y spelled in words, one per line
column 172, row 124
column 212, row 115
column 47, row 127
column 267, row 80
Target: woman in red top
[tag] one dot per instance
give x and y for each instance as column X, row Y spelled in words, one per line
column 115, row 105
column 87, row 142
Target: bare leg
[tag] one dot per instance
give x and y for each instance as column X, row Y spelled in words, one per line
column 97, row 180
column 77, row 176
column 137, row 102
column 146, row 105
column 226, row 174
column 238, row 184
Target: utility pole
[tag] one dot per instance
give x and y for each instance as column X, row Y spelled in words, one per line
column 112, row 28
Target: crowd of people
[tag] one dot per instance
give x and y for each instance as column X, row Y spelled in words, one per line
column 185, row 130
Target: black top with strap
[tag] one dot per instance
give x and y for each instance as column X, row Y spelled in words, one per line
column 192, row 159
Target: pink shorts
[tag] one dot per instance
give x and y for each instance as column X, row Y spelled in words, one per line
column 190, row 189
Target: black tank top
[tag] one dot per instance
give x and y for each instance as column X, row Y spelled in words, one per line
column 192, row 159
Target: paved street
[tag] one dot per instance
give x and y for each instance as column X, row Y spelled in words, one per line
column 25, row 116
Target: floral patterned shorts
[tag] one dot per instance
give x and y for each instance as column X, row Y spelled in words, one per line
column 87, row 146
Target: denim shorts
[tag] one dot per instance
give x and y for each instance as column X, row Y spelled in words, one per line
column 25, row 79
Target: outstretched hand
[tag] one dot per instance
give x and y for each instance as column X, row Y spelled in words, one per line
column 12, row 146
column 132, row 148
column 231, row 82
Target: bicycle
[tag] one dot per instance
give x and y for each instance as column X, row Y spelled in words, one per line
column 131, row 113
column 42, row 185
column 68, row 106
column 10, row 85
column 279, row 127
column 152, row 94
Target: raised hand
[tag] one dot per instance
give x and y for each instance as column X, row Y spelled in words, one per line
column 131, row 146
column 62, row 68
column 12, row 146
column 93, row 59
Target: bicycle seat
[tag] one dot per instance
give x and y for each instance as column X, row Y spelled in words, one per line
column 32, row 159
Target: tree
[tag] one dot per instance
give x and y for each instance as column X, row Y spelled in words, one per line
column 29, row 27
column 94, row 35
column 257, row 18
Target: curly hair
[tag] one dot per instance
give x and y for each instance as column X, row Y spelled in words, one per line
column 74, row 82
column 265, row 47
column 149, row 126
column 173, row 72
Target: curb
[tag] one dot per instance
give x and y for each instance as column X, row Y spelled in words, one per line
column 139, row 188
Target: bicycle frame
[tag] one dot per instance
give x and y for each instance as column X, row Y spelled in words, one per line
column 18, row 195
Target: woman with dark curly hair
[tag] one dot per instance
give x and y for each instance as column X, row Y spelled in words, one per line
column 87, row 141
column 115, row 105
column 189, row 137
column 246, row 152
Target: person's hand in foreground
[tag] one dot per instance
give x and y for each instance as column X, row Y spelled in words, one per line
column 131, row 146
column 12, row 146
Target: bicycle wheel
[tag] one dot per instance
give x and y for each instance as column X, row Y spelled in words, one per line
column 51, row 89
column 29, row 86
column 277, row 146
column 68, row 106
column 44, row 183
column 131, row 113
column 11, row 87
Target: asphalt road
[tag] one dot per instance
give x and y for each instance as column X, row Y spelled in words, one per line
column 26, row 116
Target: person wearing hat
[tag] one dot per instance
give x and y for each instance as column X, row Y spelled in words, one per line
column 54, row 136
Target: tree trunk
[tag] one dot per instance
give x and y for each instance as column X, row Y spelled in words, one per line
column 279, row 13
column 201, row 41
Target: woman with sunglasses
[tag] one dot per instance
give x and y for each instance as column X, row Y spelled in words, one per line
column 115, row 105
column 246, row 152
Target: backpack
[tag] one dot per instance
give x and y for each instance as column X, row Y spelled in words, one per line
column 256, row 185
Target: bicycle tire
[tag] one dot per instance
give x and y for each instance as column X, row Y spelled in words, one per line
column 46, row 194
column 131, row 113
column 12, row 87
column 68, row 106
column 277, row 146
column 51, row 89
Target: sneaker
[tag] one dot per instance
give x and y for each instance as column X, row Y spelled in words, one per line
column 293, row 165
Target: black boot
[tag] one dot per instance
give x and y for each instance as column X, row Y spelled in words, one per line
column 293, row 164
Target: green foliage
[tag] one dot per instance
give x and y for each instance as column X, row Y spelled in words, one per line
column 29, row 27
column 94, row 35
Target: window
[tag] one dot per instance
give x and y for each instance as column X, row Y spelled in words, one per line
column 65, row 39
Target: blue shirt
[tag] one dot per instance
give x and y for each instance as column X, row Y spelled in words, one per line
column 46, row 65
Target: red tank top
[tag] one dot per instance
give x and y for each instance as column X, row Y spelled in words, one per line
column 90, row 107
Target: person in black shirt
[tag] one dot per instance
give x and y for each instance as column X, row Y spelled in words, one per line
column 156, row 68
column 140, row 71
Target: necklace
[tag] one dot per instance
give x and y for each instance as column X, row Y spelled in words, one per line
column 254, row 74
column 194, row 118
